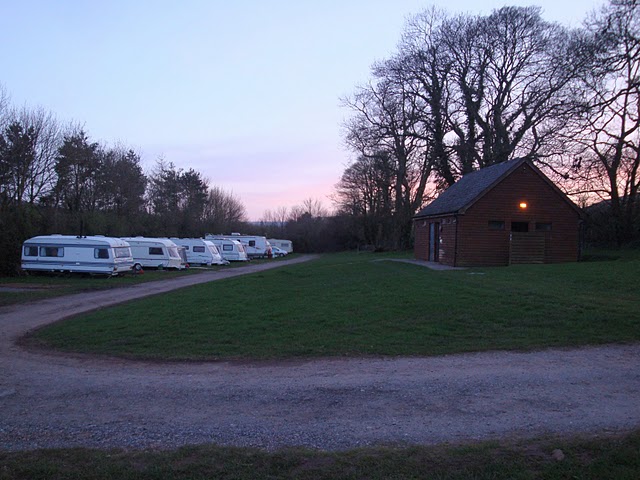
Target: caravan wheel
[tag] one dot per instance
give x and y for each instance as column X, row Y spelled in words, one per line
column 137, row 268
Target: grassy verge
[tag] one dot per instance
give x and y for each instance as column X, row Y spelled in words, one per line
column 349, row 304
column 37, row 287
column 609, row 458
column 16, row 290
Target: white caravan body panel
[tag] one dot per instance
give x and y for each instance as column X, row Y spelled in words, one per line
column 231, row 250
column 286, row 245
column 155, row 252
column 255, row 245
column 200, row 251
column 77, row 254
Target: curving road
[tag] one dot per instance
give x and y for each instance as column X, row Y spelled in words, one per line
column 54, row 400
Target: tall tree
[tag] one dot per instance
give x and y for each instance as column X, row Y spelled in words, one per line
column 76, row 167
column 164, row 189
column 121, row 182
column 48, row 137
column 17, row 155
column 387, row 120
column 178, row 199
column 365, row 193
column 606, row 138
column 223, row 212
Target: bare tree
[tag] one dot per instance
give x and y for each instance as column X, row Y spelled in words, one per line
column 387, row 119
column 4, row 106
column 30, row 142
column 224, row 212
column 426, row 68
column 509, row 87
column 365, row 194
column 275, row 221
column 461, row 94
column 606, row 138
column 48, row 135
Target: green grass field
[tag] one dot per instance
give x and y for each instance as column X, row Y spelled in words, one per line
column 29, row 288
column 612, row 458
column 364, row 304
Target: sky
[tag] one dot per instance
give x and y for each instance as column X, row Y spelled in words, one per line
column 246, row 92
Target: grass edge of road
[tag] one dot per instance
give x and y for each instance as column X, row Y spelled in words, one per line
column 585, row 457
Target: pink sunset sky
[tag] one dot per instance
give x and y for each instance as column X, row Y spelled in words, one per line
column 248, row 93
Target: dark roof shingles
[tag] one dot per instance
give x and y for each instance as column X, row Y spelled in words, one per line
column 467, row 189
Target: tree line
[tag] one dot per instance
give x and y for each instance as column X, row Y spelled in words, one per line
column 463, row 92
column 55, row 179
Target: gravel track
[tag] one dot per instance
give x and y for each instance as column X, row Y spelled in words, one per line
column 53, row 400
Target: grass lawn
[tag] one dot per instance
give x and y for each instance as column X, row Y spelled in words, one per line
column 28, row 288
column 362, row 304
column 609, row 458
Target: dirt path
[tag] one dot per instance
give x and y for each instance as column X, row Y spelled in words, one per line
column 63, row 401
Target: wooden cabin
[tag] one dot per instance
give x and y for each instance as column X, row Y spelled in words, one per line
column 504, row 214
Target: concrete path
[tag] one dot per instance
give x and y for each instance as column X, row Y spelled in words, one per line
column 422, row 263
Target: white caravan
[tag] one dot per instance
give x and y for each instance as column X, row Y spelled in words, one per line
column 77, row 254
column 154, row 253
column 200, row 251
column 286, row 245
column 183, row 256
column 231, row 250
column 255, row 245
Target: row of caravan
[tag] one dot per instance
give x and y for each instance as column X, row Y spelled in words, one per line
column 113, row 256
column 256, row 246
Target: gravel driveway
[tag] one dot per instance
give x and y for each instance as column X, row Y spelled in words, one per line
column 54, row 400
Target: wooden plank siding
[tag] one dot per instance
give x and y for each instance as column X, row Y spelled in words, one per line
column 481, row 246
column 421, row 239
column 529, row 247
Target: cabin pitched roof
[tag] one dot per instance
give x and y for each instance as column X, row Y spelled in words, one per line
column 469, row 188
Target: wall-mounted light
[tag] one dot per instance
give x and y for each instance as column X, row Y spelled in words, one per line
column 523, row 205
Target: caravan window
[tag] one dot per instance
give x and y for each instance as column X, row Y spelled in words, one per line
column 122, row 252
column 30, row 251
column 252, row 243
column 227, row 247
column 198, row 249
column 52, row 251
column 155, row 251
column 100, row 253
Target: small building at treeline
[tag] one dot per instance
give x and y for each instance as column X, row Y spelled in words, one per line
column 505, row 214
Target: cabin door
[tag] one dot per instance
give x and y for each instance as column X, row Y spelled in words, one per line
column 434, row 241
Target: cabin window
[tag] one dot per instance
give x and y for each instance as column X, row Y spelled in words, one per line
column 155, row 251
column 52, row 251
column 252, row 243
column 227, row 248
column 496, row 225
column 100, row 253
column 198, row 249
column 122, row 252
column 186, row 247
column 543, row 226
column 30, row 251
column 519, row 226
